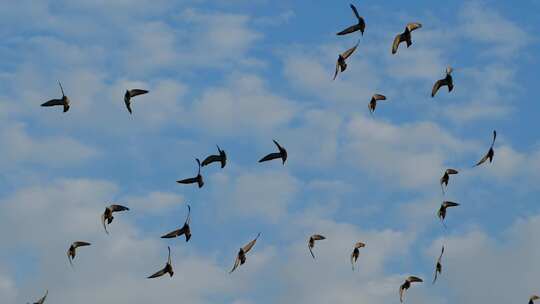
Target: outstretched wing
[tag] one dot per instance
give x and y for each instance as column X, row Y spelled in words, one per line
column 103, row 222
column 311, row 251
column 395, row 44
column 349, row 52
column 414, row 279
column 136, row 92
column 42, row 300
column 436, row 87
column 379, row 97
column 494, row 137
column 210, row 159
column 483, row 160
column 53, row 102
column 337, row 71
column 80, row 244
column 236, row 263
column 190, row 180
column 350, row 29
column 355, row 12
column 452, row 171
column 175, row 233
column 116, row 208
column 413, row 26
column 270, row 156
column 401, row 291
column 250, row 245
column 158, row 274
column 318, row 237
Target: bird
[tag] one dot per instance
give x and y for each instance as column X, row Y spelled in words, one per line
column 533, row 298
column 221, row 157
column 197, row 179
column 341, row 65
column 185, row 230
column 446, row 81
column 72, row 251
column 406, row 286
column 442, row 210
column 356, row 252
column 311, row 242
column 405, row 36
column 489, row 155
column 107, row 216
column 446, row 177
column 167, row 269
column 360, row 26
column 64, row 101
column 241, row 256
column 281, row 154
column 373, row 103
column 132, row 93
column 438, row 266
column 42, row 300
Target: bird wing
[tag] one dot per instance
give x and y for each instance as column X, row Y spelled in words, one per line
column 440, row 256
column 350, row 29
column 452, row 171
column 413, row 26
column 355, row 11
column 337, row 70
column 136, row 92
column 401, row 291
column 438, row 84
column 103, row 222
column 116, row 208
column 42, row 300
column 414, row 279
column 190, row 180
column 349, row 52
column 359, row 245
column 128, row 106
column 494, row 137
column 483, row 160
column 53, row 102
column 352, row 260
column 379, row 97
column 317, row 237
column 435, row 276
column 236, row 263
column 159, row 273
column 395, row 44
column 175, row 233
column 188, row 218
column 210, row 159
column 311, row 251
column 169, row 258
column 270, row 156
column 80, row 244
column 448, row 204
column 250, row 245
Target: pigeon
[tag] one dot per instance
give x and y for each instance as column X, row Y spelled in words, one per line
column 356, row 253
column 405, row 36
column 406, row 286
column 167, row 269
column 446, row 81
column 197, row 179
column 373, row 103
column 489, row 155
column 341, row 64
column 442, row 211
column 64, row 101
column 360, row 26
column 72, row 251
column 281, row 154
column 221, row 158
column 533, row 298
column 107, row 216
column 132, row 93
column 185, row 230
column 446, row 177
column 438, row 266
column 311, row 242
column 241, row 256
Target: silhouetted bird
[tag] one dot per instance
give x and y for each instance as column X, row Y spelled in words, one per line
column 185, row 230
column 356, row 253
column 132, row 93
column 221, row 157
column 446, row 177
column 192, row 180
column 438, row 266
column 281, row 154
column 107, row 216
column 72, row 251
column 373, row 102
column 241, row 256
column 167, row 269
column 442, row 210
column 446, row 81
column 311, row 242
column 533, row 298
column 42, row 300
column 405, row 36
column 406, row 286
column 341, row 64
column 360, row 26
column 64, row 101
column 489, row 155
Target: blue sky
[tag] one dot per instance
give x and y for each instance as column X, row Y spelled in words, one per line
column 239, row 74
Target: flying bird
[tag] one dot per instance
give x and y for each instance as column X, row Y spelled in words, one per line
column 446, row 81
column 438, row 266
column 241, row 256
column 373, row 103
column 42, row 300
column 197, row 179
column 107, row 216
column 405, row 36
column 72, row 251
column 356, row 252
column 446, row 177
column 341, row 64
column 442, row 211
column 64, row 101
column 489, row 155
column 406, row 286
column 311, row 242
column 533, row 298
column 281, row 154
column 167, row 269
column 185, row 230
column 360, row 26
column 132, row 93
column 221, row 157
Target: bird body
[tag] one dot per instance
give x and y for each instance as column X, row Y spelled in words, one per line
column 132, row 93
column 373, row 102
column 356, row 252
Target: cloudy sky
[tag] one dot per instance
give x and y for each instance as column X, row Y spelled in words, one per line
column 238, row 74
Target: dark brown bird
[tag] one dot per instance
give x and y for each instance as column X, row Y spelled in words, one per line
column 406, row 286
column 197, row 179
column 64, row 101
column 489, row 155
column 446, row 177
column 446, row 81
column 241, row 256
column 281, row 154
column 341, row 64
column 107, row 216
column 132, row 93
column 405, row 36
column 533, row 298
column 167, row 269
column 221, row 157
column 442, row 211
column 311, row 242
column 438, row 266
column 356, row 252
column 42, row 300
column 72, row 251
column 373, row 103
column 360, row 26
column 185, row 230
